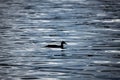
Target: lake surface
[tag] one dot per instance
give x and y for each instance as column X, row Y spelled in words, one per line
column 91, row 29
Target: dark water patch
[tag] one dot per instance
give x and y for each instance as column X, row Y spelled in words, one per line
column 107, row 77
column 29, row 77
column 4, row 27
column 111, row 5
column 116, row 56
column 6, row 65
column 28, row 7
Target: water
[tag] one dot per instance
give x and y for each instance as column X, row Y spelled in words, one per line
column 90, row 28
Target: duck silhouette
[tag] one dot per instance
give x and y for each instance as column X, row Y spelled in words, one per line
column 57, row 46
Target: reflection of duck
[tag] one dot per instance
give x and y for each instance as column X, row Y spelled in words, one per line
column 57, row 46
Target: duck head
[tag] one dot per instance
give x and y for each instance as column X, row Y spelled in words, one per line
column 63, row 42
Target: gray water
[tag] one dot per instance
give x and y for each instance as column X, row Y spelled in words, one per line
column 89, row 27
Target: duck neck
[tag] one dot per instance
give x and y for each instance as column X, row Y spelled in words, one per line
column 62, row 46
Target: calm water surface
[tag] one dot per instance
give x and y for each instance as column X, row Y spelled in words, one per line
column 90, row 28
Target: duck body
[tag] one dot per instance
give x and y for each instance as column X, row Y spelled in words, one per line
column 53, row 46
column 57, row 46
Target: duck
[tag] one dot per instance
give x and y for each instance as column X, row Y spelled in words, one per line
column 57, row 46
